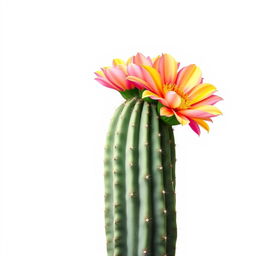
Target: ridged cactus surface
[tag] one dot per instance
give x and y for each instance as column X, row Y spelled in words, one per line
column 140, row 214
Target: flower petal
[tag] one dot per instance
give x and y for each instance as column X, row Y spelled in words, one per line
column 107, row 83
column 168, row 68
column 140, row 59
column 201, row 92
column 150, row 94
column 156, row 62
column 141, row 77
column 202, row 123
column 157, row 85
column 117, row 62
column 183, row 120
column 116, row 76
column 194, row 113
column 139, row 83
column 173, row 99
column 135, row 74
column 194, row 126
column 188, row 77
column 134, row 70
column 99, row 73
column 198, row 87
column 164, row 111
column 209, row 109
column 211, row 100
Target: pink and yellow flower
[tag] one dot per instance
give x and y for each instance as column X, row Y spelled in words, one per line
column 182, row 93
column 115, row 77
column 183, row 96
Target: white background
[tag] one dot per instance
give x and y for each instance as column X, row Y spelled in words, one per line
column 55, row 118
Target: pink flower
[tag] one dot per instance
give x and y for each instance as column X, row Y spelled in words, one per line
column 115, row 77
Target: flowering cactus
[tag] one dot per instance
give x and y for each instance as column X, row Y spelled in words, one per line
column 140, row 213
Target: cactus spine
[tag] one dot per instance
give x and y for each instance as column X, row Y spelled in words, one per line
column 140, row 214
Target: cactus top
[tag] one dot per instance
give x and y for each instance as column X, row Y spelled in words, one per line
column 182, row 96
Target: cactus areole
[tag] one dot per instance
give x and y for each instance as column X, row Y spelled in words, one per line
column 140, row 199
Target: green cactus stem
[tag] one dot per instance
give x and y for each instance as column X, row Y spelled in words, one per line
column 140, row 216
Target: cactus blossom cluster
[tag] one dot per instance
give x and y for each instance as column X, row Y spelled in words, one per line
column 180, row 93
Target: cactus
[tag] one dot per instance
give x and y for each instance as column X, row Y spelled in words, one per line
column 140, row 214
